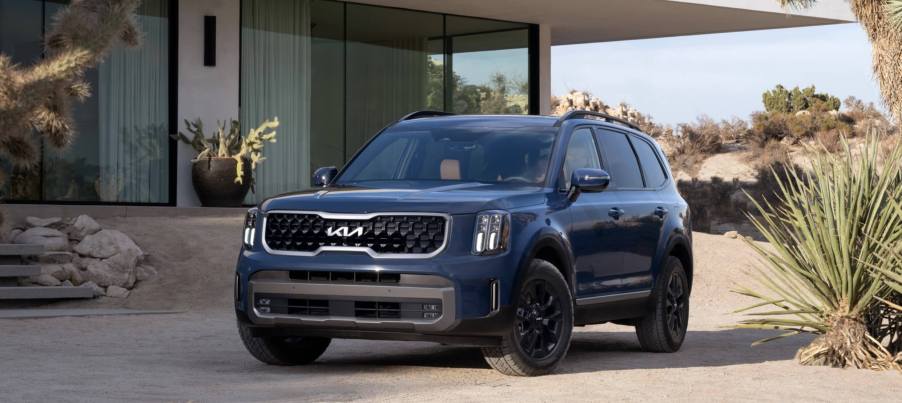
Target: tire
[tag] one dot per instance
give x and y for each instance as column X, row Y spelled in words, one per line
column 536, row 345
column 283, row 350
column 664, row 328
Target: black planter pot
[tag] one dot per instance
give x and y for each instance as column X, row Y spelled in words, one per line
column 214, row 182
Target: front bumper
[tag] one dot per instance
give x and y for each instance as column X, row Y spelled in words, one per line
column 339, row 300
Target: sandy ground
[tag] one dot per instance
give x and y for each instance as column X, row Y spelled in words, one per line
column 196, row 354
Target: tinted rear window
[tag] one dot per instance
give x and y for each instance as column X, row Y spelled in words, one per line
column 620, row 161
column 654, row 171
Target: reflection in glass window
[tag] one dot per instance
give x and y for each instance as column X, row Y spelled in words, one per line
column 121, row 150
column 490, row 64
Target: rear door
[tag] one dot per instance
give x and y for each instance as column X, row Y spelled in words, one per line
column 635, row 244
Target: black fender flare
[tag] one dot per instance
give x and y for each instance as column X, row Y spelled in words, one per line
column 549, row 238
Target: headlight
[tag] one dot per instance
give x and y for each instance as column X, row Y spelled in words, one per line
column 250, row 228
column 492, row 232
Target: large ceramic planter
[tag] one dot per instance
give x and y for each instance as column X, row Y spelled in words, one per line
column 214, row 182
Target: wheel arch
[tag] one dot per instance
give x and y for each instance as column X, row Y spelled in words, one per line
column 552, row 247
column 680, row 247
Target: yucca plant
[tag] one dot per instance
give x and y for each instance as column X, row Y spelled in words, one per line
column 828, row 231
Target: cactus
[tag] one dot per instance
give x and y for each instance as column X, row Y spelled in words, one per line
column 230, row 144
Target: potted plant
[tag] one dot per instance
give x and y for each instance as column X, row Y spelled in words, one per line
column 219, row 172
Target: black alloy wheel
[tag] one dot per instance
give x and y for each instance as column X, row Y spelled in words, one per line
column 539, row 317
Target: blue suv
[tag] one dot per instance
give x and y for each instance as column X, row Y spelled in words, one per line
column 502, row 232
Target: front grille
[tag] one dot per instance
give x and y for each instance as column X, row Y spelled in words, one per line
column 345, row 276
column 382, row 234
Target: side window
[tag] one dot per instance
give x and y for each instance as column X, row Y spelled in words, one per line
column 651, row 165
column 581, row 153
column 620, row 160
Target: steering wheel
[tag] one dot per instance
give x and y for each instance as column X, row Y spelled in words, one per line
column 516, row 179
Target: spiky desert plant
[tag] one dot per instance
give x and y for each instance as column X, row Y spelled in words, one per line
column 882, row 21
column 230, row 144
column 827, row 232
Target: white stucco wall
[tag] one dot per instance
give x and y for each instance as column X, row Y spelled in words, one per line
column 208, row 93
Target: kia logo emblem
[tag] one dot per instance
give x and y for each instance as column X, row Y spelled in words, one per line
column 344, row 231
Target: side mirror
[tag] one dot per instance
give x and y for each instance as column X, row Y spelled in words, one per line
column 322, row 177
column 588, row 180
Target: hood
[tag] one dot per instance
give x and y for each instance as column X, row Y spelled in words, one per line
column 462, row 198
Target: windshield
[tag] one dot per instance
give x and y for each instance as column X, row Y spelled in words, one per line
column 460, row 154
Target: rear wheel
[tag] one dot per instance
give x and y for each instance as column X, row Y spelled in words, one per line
column 540, row 335
column 664, row 329
column 274, row 350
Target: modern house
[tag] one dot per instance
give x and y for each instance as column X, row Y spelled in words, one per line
column 333, row 72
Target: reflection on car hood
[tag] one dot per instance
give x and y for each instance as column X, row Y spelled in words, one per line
column 459, row 198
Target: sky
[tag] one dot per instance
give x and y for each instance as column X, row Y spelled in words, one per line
column 719, row 75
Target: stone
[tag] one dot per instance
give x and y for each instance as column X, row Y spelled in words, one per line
column 14, row 233
column 67, row 283
column 106, row 243
column 145, row 272
column 56, row 257
column 98, row 290
column 116, row 292
column 105, row 275
column 55, row 270
column 51, row 239
column 42, row 222
column 76, row 275
column 83, row 226
column 45, row 280
column 731, row 234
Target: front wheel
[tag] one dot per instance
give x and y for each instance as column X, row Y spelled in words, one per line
column 275, row 350
column 540, row 335
column 664, row 328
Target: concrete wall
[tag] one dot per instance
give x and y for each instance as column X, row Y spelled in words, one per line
column 544, row 69
column 208, row 93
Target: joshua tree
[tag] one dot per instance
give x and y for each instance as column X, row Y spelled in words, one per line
column 882, row 20
column 36, row 100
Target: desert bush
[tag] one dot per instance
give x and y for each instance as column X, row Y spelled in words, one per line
column 828, row 232
column 795, row 127
column 782, row 100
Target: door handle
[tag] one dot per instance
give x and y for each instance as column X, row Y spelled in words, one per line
column 616, row 212
column 660, row 212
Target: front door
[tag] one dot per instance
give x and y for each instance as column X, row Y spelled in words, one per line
column 595, row 231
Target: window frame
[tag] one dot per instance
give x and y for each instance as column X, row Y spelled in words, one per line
column 563, row 179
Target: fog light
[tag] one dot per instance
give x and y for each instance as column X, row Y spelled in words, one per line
column 431, row 315
column 431, row 307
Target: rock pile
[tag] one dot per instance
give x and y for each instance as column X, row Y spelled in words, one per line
column 79, row 252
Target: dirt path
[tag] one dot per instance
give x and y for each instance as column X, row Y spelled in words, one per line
column 197, row 355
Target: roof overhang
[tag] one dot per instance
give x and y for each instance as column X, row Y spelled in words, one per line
column 584, row 21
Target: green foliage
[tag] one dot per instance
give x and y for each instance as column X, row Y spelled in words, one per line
column 827, row 232
column 230, row 144
column 782, row 100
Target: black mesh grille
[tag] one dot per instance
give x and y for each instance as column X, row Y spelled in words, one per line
column 390, row 234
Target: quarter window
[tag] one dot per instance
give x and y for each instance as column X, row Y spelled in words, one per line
column 651, row 166
column 581, row 153
column 620, row 161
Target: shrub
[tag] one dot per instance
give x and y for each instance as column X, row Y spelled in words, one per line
column 828, row 232
column 781, row 100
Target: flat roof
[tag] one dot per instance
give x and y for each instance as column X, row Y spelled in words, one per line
column 586, row 21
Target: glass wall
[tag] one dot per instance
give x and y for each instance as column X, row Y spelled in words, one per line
column 365, row 67
column 121, row 149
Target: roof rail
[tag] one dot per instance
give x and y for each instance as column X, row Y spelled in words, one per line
column 579, row 114
column 423, row 114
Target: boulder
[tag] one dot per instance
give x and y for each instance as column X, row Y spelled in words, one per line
column 14, row 233
column 45, row 280
column 145, row 272
column 105, row 275
column 76, row 275
column 106, row 243
column 55, row 270
column 116, row 292
column 51, row 239
column 731, row 234
column 98, row 290
column 56, row 257
column 67, row 283
column 43, row 222
column 82, row 227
